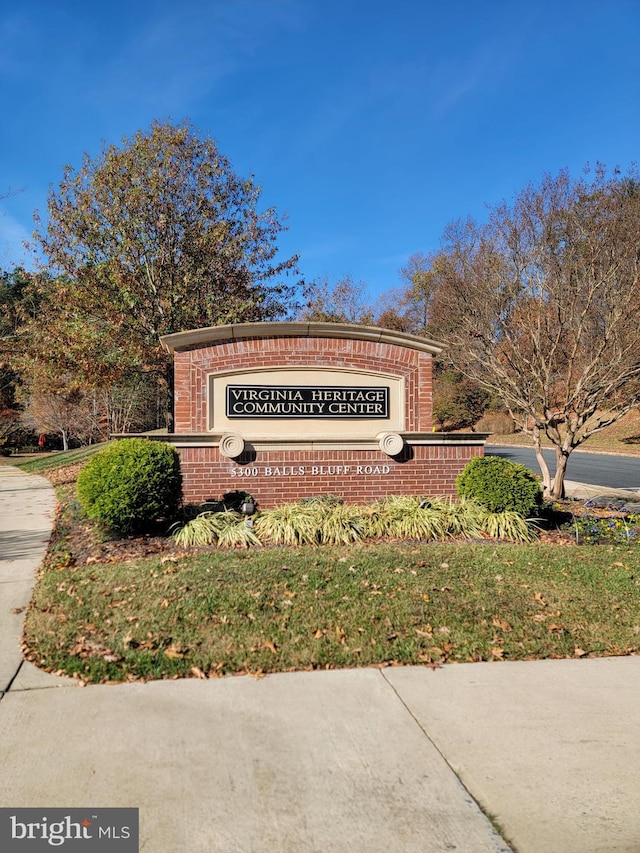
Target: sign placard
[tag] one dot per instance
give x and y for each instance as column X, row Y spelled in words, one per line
column 307, row 401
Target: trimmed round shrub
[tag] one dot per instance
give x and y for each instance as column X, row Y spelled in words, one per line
column 500, row 485
column 131, row 484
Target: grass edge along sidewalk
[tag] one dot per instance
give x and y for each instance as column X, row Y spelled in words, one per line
column 280, row 609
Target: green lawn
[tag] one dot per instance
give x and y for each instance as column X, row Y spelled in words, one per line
column 280, row 609
column 39, row 463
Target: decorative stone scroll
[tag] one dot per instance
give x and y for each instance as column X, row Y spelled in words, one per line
column 390, row 443
column 232, row 445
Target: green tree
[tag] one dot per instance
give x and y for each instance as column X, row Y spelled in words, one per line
column 154, row 236
column 540, row 305
column 458, row 402
column 18, row 303
column 416, row 301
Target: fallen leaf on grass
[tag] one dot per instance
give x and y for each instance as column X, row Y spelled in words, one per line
column 173, row 652
column 271, row 646
column 538, row 597
column 578, row 652
column 497, row 652
column 429, row 664
column 197, row 672
column 501, row 623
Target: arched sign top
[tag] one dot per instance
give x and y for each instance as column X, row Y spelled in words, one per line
column 240, row 331
column 287, row 411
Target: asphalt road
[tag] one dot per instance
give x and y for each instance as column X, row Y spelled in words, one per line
column 598, row 469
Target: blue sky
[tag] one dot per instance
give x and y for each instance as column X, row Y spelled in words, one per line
column 371, row 124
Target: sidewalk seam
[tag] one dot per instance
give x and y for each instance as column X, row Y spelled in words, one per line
column 10, row 684
column 492, row 821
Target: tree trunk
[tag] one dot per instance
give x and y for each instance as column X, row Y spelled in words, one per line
column 542, row 462
column 557, row 489
column 170, row 402
column 65, row 440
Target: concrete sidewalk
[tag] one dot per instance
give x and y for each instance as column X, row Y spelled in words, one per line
column 402, row 759
column 27, row 513
column 585, row 492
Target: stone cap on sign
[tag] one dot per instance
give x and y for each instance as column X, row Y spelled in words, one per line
column 242, row 331
column 303, row 442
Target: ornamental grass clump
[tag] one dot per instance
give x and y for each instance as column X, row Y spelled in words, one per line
column 459, row 518
column 340, row 525
column 509, row 525
column 317, row 522
column 500, row 486
column 131, row 484
column 404, row 517
column 290, row 524
column 226, row 529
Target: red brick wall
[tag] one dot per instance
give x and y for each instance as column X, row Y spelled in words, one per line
column 430, row 470
column 193, row 365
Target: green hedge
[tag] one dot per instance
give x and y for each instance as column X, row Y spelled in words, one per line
column 500, row 485
column 131, row 484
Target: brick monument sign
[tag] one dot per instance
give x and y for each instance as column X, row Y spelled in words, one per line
column 285, row 411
